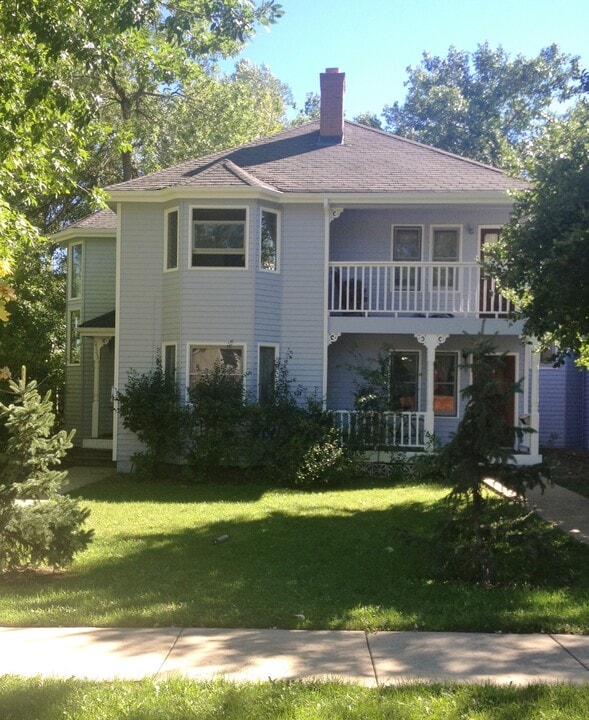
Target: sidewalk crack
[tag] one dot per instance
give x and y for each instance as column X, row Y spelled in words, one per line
column 376, row 680
column 170, row 651
column 581, row 663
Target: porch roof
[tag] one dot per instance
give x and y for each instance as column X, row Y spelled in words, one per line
column 101, row 322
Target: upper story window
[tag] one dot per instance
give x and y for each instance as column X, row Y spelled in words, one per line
column 170, row 359
column 171, row 240
column 218, row 237
column 74, row 339
column 204, row 359
column 269, row 229
column 446, row 245
column 406, row 243
column 75, row 271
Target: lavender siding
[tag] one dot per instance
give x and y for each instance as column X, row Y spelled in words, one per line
column 564, row 406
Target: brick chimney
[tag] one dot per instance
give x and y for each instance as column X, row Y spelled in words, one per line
column 331, row 125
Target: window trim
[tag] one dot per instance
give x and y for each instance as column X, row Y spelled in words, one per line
column 222, row 345
column 276, row 348
column 70, row 313
column 209, row 268
column 71, row 272
column 278, row 214
column 456, row 396
column 167, row 214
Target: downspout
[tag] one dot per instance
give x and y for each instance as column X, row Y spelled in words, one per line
column 326, row 224
column 115, row 419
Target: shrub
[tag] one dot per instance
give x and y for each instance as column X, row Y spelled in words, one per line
column 150, row 408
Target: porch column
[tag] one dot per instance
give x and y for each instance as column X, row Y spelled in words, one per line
column 535, row 401
column 431, row 342
column 99, row 343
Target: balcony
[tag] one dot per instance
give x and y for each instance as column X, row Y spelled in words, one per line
column 414, row 290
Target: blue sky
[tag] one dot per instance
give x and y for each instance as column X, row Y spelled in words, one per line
column 374, row 41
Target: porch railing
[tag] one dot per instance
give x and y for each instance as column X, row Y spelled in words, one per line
column 376, row 430
column 427, row 289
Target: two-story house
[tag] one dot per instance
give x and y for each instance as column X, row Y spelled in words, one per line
column 328, row 241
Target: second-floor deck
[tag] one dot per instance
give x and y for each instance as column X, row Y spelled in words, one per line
column 414, row 290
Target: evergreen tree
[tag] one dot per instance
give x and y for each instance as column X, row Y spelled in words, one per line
column 38, row 525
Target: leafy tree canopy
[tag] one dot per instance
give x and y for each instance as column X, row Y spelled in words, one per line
column 484, row 105
column 542, row 258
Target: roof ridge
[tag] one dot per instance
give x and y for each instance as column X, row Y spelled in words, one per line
column 244, row 175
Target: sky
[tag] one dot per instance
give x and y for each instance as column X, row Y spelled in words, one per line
column 374, row 41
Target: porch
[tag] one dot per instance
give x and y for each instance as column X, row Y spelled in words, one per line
column 414, row 289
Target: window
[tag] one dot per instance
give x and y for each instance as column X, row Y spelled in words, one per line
column 445, row 249
column 76, row 255
column 269, row 240
column 407, row 249
column 170, row 359
column 407, row 244
column 445, row 384
column 218, row 237
column 171, row 239
column 404, row 380
column 74, row 340
column 266, row 373
column 205, row 358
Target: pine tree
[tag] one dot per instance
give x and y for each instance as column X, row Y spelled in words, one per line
column 38, row 525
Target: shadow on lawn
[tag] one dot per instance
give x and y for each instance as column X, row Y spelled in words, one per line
column 361, row 569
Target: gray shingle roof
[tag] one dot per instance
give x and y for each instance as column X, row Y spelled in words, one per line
column 368, row 161
column 101, row 220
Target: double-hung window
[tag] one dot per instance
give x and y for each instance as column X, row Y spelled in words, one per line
column 266, row 373
column 407, row 252
column 218, row 237
column 170, row 359
column 445, row 250
column 204, row 359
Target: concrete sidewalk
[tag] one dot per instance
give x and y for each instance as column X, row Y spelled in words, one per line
column 568, row 510
column 381, row 658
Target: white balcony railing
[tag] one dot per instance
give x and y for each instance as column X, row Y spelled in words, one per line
column 428, row 289
column 374, row 430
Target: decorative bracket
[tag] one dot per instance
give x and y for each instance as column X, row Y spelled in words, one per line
column 99, row 343
column 431, row 340
column 334, row 213
column 334, row 337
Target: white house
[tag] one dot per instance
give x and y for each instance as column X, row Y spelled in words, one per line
column 324, row 239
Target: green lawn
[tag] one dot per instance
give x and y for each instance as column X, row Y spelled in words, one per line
column 73, row 699
column 348, row 558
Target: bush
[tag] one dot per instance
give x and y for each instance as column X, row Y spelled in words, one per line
column 38, row 525
column 150, row 408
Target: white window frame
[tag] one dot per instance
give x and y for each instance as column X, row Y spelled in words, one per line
column 70, row 314
column 80, row 245
column 221, row 346
column 440, row 413
column 165, row 368
column 167, row 214
column 278, row 214
column 276, row 348
column 209, row 268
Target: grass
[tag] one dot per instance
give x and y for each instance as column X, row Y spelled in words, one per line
column 24, row 699
column 348, row 558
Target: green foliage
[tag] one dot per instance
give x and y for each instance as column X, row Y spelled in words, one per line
column 482, row 448
column 38, row 525
column 217, row 412
column 550, row 229
column 151, row 409
column 484, row 105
